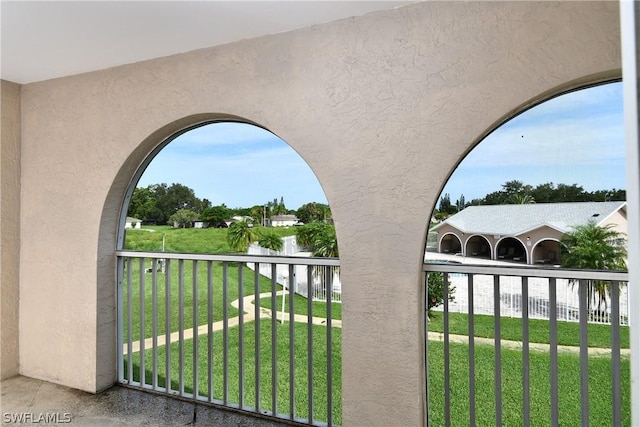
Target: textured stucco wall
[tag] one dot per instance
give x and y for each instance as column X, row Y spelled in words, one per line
column 381, row 107
column 9, row 226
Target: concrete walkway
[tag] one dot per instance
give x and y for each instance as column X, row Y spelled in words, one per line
column 249, row 316
column 517, row 345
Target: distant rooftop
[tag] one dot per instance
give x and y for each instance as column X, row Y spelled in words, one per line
column 517, row 219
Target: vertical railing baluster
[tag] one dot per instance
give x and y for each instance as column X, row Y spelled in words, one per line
column 615, row 354
column 329, row 349
column 553, row 352
column 154, row 325
column 526, row 404
column 498, row 349
column 210, row 329
column 225, row 333
column 241, row 335
column 310, row 341
column 274, row 339
column 257, row 335
column 292, row 353
column 167, row 323
column 141, row 319
column 584, row 352
column 425, row 309
column 181, row 327
column 195, row 326
column 447, row 360
column 120, row 316
column 130, row 320
column 472, row 352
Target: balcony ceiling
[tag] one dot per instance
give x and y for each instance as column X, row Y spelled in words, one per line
column 42, row 40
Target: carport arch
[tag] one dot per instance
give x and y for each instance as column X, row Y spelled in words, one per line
column 504, row 252
column 478, row 245
column 542, row 255
column 447, row 244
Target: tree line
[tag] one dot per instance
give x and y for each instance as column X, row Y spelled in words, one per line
column 516, row 192
column 176, row 203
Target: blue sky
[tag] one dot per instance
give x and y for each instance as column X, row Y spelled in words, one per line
column 576, row 138
column 237, row 164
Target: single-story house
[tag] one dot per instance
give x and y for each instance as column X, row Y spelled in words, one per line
column 283, row 220
column 132, row 223
column 239, row 218
column 527, row 233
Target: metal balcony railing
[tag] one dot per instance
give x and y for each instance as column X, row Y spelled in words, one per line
column 213, row 329
column 480, row 376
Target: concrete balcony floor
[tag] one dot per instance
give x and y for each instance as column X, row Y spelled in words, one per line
column 117, row 406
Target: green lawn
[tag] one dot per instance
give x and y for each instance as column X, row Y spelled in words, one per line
column 511, row 329
column 235, row 287
column 249, row 363
column 568, row 384
column 188, row 240
column 214, row 241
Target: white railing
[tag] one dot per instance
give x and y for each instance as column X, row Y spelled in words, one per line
column 209, row 329
column 498, row 286
column 511, row 301
column 298, row 280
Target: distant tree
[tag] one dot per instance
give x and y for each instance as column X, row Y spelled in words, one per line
column 183, row 218
column 313, row 211
column 445, row 206
column 216, row 215
column 435, row 291
column 460, row 203
column 570, row 193
column 270, row 240
column 326, row 243
column 143, row 204
column 594, row 247
column 240, row 235
column 522, row 199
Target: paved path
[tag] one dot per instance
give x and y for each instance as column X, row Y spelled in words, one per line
column 517, row 345
column 249, row 316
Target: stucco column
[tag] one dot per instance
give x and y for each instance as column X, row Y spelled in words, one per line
column 9, row 227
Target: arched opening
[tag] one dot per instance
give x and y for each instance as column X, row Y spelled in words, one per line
column 511, row 249
column 527, row 224
column 479, row 247
column 450, row 244
column 546, row 251
column 191, row 320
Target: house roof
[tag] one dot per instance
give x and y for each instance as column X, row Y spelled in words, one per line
column 284, row 218
column 512, row 220
column 131, row 219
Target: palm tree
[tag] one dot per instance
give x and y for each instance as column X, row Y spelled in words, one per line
column 270, row 240
column 523, row 199
column 594, row 247
column 240, row 235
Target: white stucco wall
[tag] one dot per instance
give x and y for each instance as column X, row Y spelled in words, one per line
column 381, row 107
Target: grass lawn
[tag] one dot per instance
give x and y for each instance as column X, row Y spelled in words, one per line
column 188, row 240
column 249, row 364
column 319, row 308
column 235, row 288
column 569, row 386
column 511, row 329
column 242, row 282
